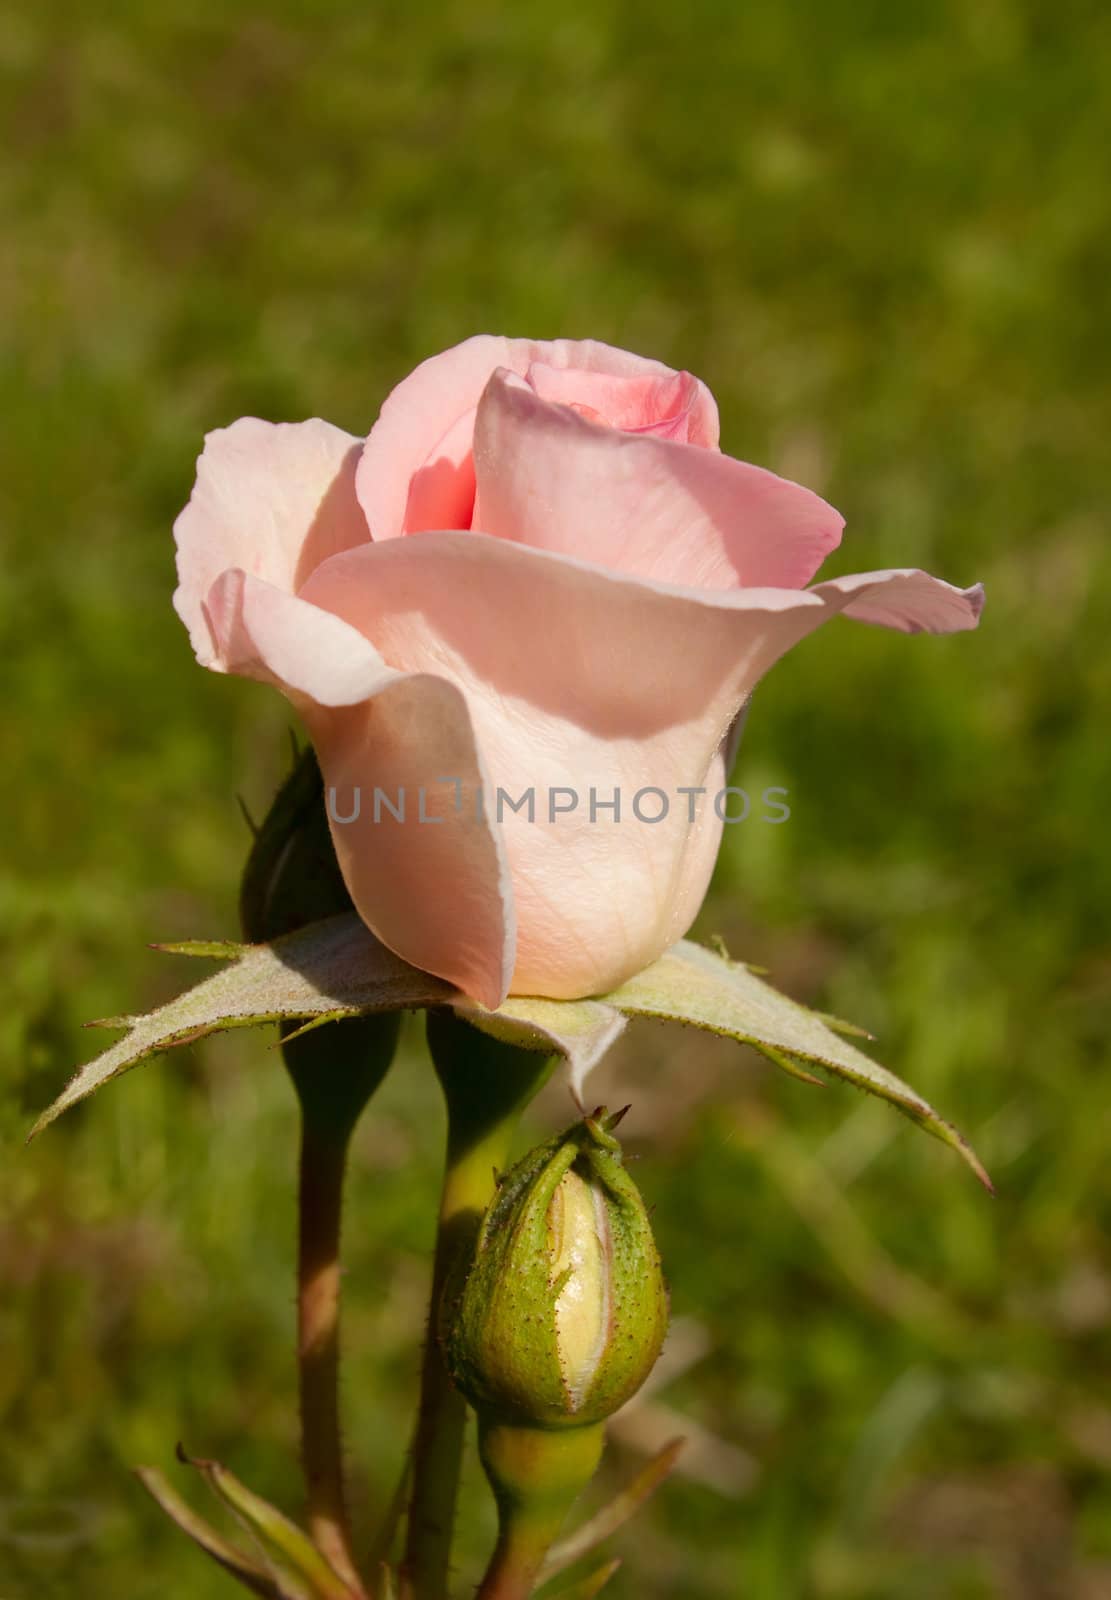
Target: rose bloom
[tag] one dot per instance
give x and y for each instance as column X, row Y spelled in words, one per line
column 538, row 571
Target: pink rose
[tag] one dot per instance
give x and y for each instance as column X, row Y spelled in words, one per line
column 594, row 592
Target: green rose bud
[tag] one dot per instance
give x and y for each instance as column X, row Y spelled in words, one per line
column 292, row 878
column 560, row 1313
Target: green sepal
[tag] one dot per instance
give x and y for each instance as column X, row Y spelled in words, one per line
column 233, row 1561
column 297, row 1566
column 332, row 969
column 336, row 968
column 693, row 985
column 207, row 949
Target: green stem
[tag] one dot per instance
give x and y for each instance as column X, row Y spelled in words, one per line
column 335, row 1071
column 486, row 1085
column 536, row 1474
column 323, row 1161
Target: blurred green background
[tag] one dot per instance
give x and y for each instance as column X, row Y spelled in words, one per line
column 880, row 233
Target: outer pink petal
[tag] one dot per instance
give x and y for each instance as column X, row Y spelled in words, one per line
column 416, row 464
column 666, row 511
column 906, row 599
column 433, row 885
column 580, row 677
column 274, row 499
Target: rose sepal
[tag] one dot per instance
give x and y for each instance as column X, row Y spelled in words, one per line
column 337, row 968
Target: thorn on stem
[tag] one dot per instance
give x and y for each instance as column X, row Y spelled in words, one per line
column 247, row 817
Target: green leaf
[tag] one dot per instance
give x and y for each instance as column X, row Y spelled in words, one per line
column 299, row 1566
column 693, row 985
column 225, row 1555
column 614, row 1515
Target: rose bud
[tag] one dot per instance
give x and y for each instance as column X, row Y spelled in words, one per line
column 560, row 1313
column 292, row 878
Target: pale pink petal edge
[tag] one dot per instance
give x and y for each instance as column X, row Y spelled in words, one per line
column 275, row 499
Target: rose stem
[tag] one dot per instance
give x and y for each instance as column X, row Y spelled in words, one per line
column 335, row 1071
column 322, row 1165
column 486, row 1085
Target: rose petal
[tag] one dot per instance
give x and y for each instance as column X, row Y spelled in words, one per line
column 416, row 472
column 257, row 630
column 432, row 883
column 675, row 406
column 441, row 493
column 666, row 511
column 274, row 499
column 623, row 684
column 589, row 355
column 908, row 600
column 417, row 429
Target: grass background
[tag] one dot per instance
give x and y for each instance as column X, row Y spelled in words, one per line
column 880, row 233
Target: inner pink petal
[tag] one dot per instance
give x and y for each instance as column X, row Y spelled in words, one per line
column 441, row 492
column 665, row 406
